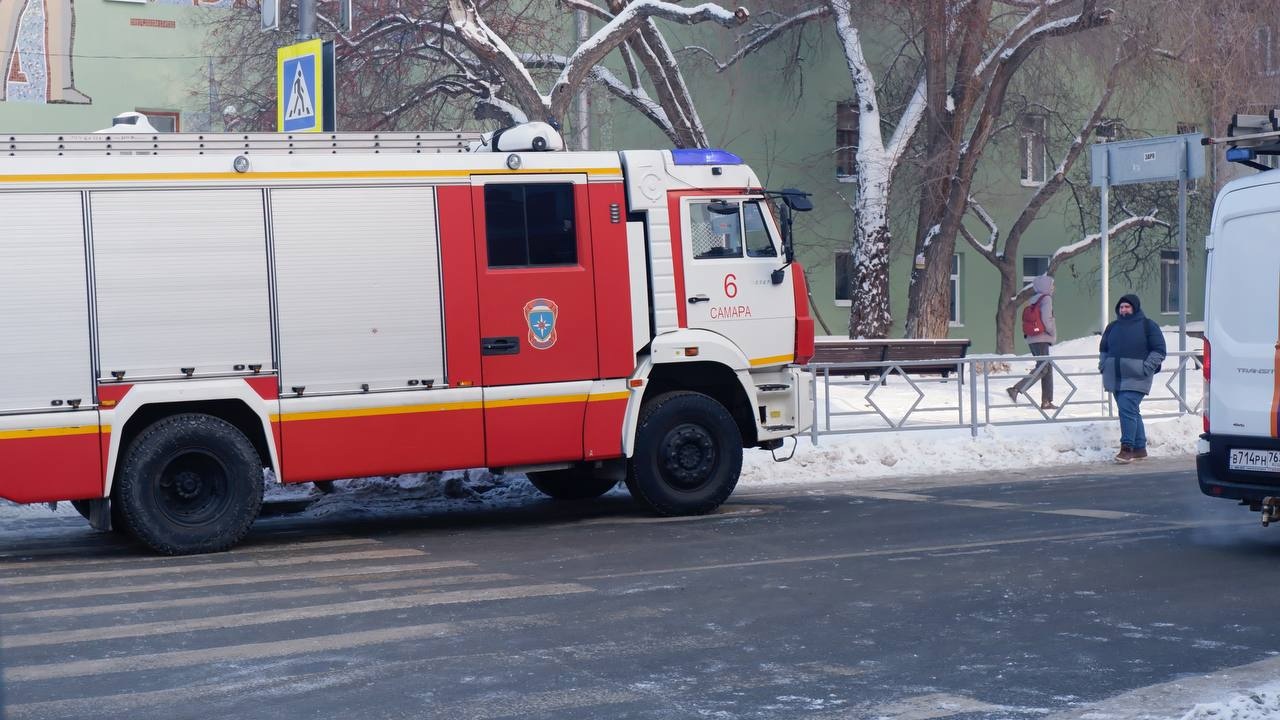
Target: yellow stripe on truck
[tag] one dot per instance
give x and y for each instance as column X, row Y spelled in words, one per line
column 49, row 432
column 461, row 174
column 774, row 360
column 474, row 405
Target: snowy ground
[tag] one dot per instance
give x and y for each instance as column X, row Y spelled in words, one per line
column 1261, row 704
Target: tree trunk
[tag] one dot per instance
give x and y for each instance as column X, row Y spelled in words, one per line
column 1006, row 309
column 870, row 315
column 929, row 296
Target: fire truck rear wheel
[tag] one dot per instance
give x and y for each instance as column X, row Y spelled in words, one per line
column 576, row 483
column 190, row 484
column 688, row 455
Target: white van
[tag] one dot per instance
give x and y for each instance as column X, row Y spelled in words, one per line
column 1239, row 452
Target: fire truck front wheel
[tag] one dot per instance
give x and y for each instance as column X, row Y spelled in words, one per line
column 190, row 483
column 688, row 455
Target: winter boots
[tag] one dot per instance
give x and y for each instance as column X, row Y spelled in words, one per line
column 1125, row 456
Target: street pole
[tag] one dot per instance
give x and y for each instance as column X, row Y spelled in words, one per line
column 582, row 116
column 1105, row 249
column 306, row 19
column 1182, row 286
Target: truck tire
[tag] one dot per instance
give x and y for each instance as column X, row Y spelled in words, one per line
column 688, row 455
column 574, row 483
column 117, row 520
column 190, row 484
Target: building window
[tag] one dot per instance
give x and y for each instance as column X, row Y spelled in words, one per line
column 1032, row 149
column 1265, row 50
column 1110, row 129
column 846, row 139
column 1169, row 300
column 166, row 121
column 530, row 225
column 957, row 315
column 1033, row 266
column 844, row 278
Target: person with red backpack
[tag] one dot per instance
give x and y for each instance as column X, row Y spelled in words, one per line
column 1040, row 332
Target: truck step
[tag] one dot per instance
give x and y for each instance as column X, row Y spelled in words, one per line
column 773, row 387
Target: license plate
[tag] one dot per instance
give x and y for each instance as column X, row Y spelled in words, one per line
column 1256, row 460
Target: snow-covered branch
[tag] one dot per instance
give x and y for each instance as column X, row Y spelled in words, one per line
column 1088, row 242
column 766, row 35
column 987, row 249
column 632, row 18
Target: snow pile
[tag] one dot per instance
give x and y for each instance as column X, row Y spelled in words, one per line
column 1262, row 704
column 440, row 491
column 951, row 451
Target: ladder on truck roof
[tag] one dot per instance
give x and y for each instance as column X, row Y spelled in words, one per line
column 1251, row 136
column 54, row 144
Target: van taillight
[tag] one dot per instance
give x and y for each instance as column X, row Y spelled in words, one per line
column 1204, row 412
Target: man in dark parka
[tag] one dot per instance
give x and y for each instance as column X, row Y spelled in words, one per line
column 1131, row 350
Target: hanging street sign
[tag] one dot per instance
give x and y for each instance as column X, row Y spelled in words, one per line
column 304, row 87
column 1146, row 160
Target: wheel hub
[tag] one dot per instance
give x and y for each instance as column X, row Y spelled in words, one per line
column 688, row 455
column 193, row 487
column 187, row 485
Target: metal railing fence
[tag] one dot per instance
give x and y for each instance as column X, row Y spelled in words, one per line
column 894, row 399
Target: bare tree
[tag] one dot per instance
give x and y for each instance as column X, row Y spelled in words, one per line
column 429, row 65
column 973, row 49
column 883, row 138
column 1003, row 253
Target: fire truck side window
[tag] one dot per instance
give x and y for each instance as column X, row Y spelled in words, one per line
column 528, row 225
column 715, row 230
column 759, row 244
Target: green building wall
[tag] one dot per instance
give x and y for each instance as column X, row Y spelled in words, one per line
column 124, row 56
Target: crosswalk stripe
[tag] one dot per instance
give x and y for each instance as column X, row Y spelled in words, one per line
column 212, row 566
column 239, row 689
column 270, row 649
column 207, row 600
column 430, row 582
column 311, row 574
column 280, row 615
column 23, row 565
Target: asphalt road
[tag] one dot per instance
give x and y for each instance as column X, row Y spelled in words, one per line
column 999, row 596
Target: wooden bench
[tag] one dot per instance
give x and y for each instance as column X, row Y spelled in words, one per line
column 840, row 350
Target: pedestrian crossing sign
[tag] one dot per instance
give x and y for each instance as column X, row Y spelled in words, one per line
column 304, row 82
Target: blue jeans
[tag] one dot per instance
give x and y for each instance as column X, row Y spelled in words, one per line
column 1132, row 433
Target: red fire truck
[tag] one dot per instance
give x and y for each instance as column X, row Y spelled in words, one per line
column 180, row 314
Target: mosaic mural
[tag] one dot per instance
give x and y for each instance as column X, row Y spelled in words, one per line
column 36, row 38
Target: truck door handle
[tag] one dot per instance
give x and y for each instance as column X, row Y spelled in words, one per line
column 500, row 346
column 698, row 298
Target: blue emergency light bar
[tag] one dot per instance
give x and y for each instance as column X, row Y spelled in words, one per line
column 704, row 156
column 1239, row 154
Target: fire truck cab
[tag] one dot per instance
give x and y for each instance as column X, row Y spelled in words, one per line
column 181, row 313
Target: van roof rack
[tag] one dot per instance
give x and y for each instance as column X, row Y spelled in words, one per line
column 1251, row 136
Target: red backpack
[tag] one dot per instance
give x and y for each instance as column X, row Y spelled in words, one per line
column 1032, row 323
